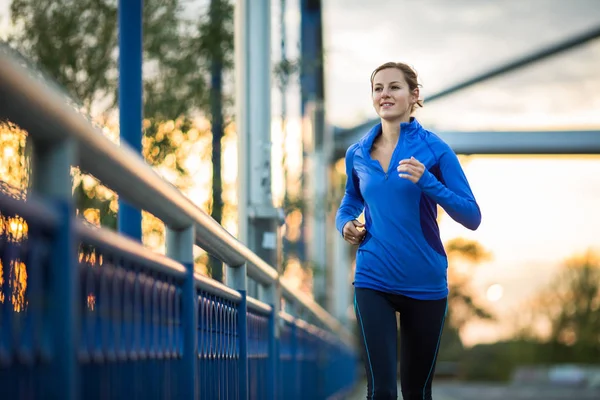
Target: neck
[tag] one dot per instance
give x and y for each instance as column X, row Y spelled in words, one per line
column 390, row 130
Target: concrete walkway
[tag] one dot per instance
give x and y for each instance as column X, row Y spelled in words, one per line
column 438, row 393
column 496, row 391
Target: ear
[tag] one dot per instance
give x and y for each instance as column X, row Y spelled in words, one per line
column 415, row 94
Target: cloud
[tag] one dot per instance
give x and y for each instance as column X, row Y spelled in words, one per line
column 448, row 42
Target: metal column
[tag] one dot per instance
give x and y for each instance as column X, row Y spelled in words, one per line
column 130, row 99
column 257, row 216
column 317, row 146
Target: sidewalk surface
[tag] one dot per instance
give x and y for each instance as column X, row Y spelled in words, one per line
column 496, row 391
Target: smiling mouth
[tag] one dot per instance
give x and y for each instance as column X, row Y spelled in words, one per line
column 387, row 104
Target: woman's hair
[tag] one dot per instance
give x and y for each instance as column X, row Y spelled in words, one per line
column 409, row 75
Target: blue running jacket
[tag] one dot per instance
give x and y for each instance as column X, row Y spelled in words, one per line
column 402, row 252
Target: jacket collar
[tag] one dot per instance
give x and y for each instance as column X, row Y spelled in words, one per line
column 409, row 129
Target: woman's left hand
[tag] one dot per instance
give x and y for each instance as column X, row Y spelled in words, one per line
column 411, row 169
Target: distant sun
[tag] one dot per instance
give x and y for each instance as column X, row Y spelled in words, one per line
column 494, row 292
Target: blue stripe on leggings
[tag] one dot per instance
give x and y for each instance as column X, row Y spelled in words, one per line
column 436, row 349
column 366, row 347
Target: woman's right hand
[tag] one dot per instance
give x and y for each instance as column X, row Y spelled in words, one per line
column 351, row 233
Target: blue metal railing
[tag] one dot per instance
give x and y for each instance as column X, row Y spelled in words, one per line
column 86, row 313
column 129, row 320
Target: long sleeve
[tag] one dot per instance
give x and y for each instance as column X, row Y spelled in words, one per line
column 352, row 204
column 453, row 193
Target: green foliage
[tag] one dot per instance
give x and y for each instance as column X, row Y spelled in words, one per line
column 572, row 305
column 75, row 42
column 284, row 70
column 463, row 304
column 72, row 40
column 468, row 250
column 90, row 199
column 215, row 34
column 487, row 363
column 451, row 346
column 215, row 44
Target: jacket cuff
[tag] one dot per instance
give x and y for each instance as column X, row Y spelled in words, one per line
column 426, row 179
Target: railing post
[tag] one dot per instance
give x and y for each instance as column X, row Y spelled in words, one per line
column 295, row 367
column 237, row 279
column 273, row 298
column 52, row 180
column 180, row 247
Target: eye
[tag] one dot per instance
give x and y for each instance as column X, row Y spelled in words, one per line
column 396, row 87
column 378, row 89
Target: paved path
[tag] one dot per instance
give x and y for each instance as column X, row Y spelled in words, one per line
column 479, row 391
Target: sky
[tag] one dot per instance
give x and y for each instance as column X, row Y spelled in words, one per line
column 447, row 42
column 537, row 211
column 4, row 17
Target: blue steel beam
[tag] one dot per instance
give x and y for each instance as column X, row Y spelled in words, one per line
column 510, row 142
column 311, row 49
column 524, row 142
column 130, row 100
column 311, row 93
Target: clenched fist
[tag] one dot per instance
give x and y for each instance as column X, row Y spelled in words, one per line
column 411, row 169
column 352, row 234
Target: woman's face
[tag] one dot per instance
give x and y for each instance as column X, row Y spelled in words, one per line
column 392, row 98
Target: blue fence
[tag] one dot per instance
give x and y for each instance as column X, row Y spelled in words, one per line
column 88, row 314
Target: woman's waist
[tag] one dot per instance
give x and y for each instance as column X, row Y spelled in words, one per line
column 400, row 245
column 392, row 229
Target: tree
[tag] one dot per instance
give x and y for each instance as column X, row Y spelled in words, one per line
column 216, row 45
column 569, row 306
column 463, row 304
column 571, row 303
column 75, row 43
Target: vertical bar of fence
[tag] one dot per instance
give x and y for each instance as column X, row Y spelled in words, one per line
column 237, row 279
column 51, row 179
column 130, row 99
column 272, row 294
column 180, row 247
column 243, row 337
column 294, row 364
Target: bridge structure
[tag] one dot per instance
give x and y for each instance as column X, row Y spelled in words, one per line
column 104, row 317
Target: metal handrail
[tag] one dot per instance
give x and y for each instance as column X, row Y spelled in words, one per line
column 45, row 111
column 128, row 248
column 216, row 288
column 258, row 306
column 118, row 167
column 34, row 210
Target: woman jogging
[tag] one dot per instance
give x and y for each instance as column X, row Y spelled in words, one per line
column 397, row 174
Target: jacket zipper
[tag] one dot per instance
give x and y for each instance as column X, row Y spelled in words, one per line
column 393, row 156
column 378, row 164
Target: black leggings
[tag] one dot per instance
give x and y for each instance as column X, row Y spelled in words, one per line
column 421, row 323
